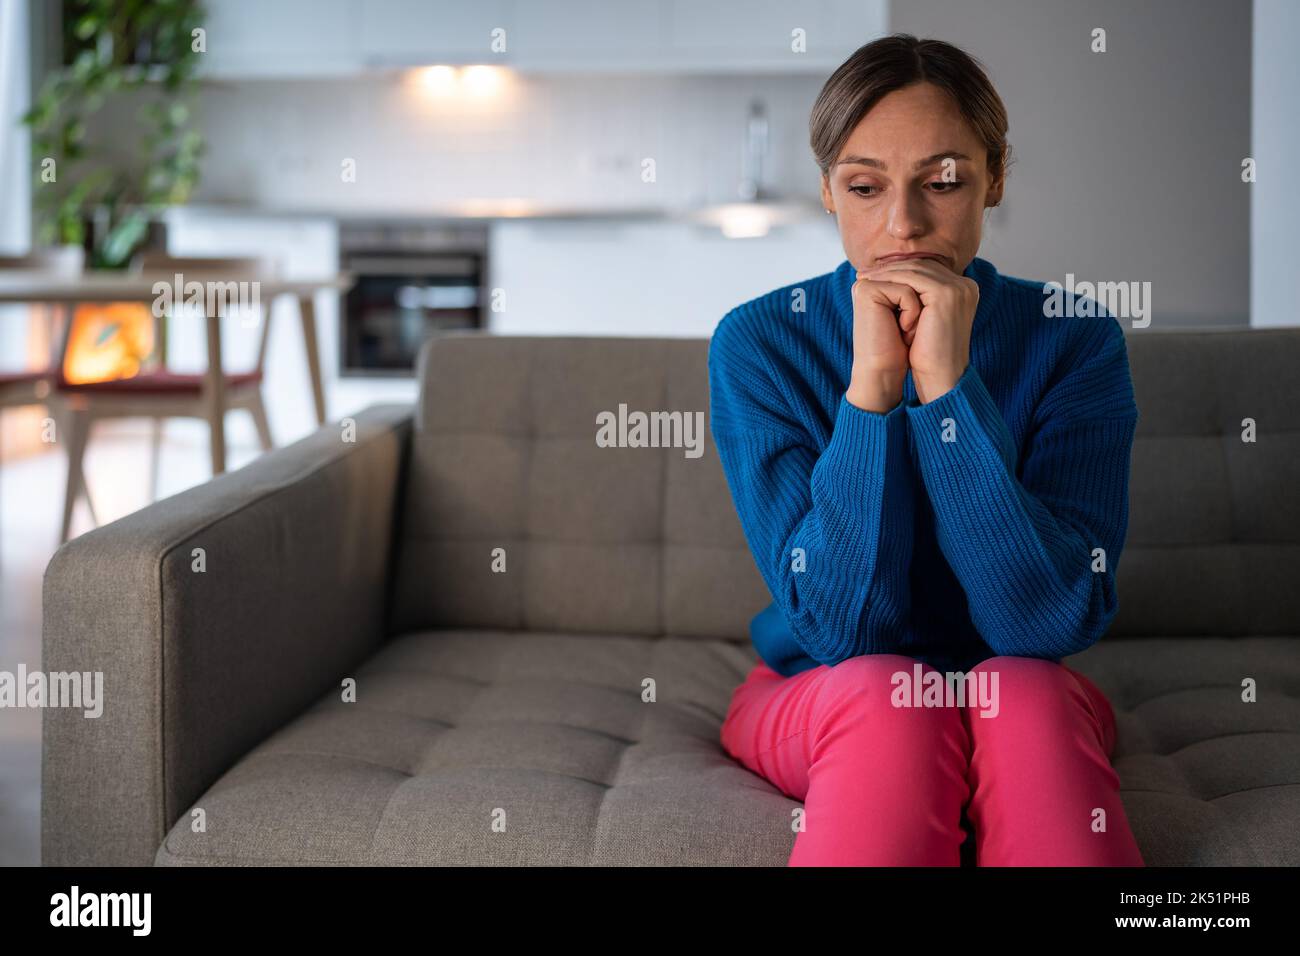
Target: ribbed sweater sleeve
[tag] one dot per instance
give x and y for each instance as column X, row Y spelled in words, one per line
column 848, row 507
column 1022, row 547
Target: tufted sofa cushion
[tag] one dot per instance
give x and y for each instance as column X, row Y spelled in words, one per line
column 551, row 729
column 450, row 726
column 616, row 540
column 520, row 693
column 1213, row 544
column 1207, row 778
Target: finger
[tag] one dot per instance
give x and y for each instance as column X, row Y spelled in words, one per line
column 920, row 265
column 900, row 296
column 893, row 294
column 922, row 282
column 929, row 267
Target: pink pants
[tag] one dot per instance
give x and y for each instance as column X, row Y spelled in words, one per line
column 886, row 785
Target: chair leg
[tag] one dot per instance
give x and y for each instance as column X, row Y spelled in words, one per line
column 258, row 410
column 155, row 456
column 58, row 410
column 215, row 396
column 90, row 505
column 77, row 431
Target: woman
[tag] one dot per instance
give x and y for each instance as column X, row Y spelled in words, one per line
column 932, row 474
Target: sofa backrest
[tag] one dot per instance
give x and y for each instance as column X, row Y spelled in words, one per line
column 645, row 540
column 620, row 540
column 1213, row 545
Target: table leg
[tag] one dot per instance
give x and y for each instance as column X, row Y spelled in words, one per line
column 76, row 427
column 307, row 311
column 216, row 396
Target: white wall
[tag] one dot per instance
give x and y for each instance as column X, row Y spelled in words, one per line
column 15, row 183
column 15, row 96
column 1127, row 162
column 1275, row 146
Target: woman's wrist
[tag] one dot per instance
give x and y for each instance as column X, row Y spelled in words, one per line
column 875, row 391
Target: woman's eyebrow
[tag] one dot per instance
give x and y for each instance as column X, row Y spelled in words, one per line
column 920, row 164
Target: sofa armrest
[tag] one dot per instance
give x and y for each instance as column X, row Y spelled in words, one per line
column 201, row 665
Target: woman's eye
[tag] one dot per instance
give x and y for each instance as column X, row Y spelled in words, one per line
column 939, row 186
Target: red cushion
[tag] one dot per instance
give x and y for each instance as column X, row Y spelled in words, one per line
column 159, row 383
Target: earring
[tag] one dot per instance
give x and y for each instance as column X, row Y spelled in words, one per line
column 828, row 212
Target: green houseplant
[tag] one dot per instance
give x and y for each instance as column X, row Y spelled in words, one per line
column 116, row 47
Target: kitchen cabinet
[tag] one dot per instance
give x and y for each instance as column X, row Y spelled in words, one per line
column 727, row 35
column 641, row 278
column 587, row 35
column 306, row 38
column 250, row 39
column 396, row 33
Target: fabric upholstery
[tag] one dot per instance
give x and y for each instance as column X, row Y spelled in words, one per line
column 199, row 667
column 449, row 726
column 626, row 540
column 522, row 691
column 1213, row 545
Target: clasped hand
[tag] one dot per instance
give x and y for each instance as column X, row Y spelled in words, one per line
column 913, row 314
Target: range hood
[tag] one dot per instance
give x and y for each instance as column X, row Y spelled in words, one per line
column 755, row 209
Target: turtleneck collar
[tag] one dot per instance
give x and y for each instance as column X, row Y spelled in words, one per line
column 981, row 270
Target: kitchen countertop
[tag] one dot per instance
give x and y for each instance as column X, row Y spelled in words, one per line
column 488, row 211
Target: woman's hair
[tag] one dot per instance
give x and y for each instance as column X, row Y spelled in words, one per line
column 891, row 63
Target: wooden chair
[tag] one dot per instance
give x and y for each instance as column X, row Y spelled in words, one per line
column 159, row 393
column 25, row 387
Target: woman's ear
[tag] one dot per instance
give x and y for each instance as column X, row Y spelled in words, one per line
column 994, row 195
column 828, row 203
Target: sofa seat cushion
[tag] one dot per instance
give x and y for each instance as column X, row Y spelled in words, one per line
column 1207, row 779
column 548, row 733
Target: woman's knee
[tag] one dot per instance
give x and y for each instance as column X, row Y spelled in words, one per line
column 873, row 688
column 1032, row 685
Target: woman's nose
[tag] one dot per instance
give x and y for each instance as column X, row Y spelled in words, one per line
column 906, row 218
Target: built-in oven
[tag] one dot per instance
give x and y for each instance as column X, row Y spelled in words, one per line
column 411, row 281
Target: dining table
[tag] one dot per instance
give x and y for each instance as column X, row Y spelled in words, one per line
column 70, row 289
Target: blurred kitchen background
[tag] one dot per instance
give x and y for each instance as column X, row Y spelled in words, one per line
column 615, row 169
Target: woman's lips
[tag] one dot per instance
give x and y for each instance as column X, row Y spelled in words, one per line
column 913, row 255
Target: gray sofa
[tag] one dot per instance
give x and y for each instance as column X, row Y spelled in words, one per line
column 524, row 697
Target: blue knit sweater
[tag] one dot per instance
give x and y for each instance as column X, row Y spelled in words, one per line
column 988, row 521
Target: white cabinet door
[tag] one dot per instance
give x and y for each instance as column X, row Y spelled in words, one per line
column 267, row 38
column 588, row 35
column 730, row 35
column 641, row 278
column 416, row 32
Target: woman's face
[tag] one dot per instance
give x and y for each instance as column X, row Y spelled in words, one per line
column 889, row 186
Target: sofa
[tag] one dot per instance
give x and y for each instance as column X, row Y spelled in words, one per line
column 462, row 633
